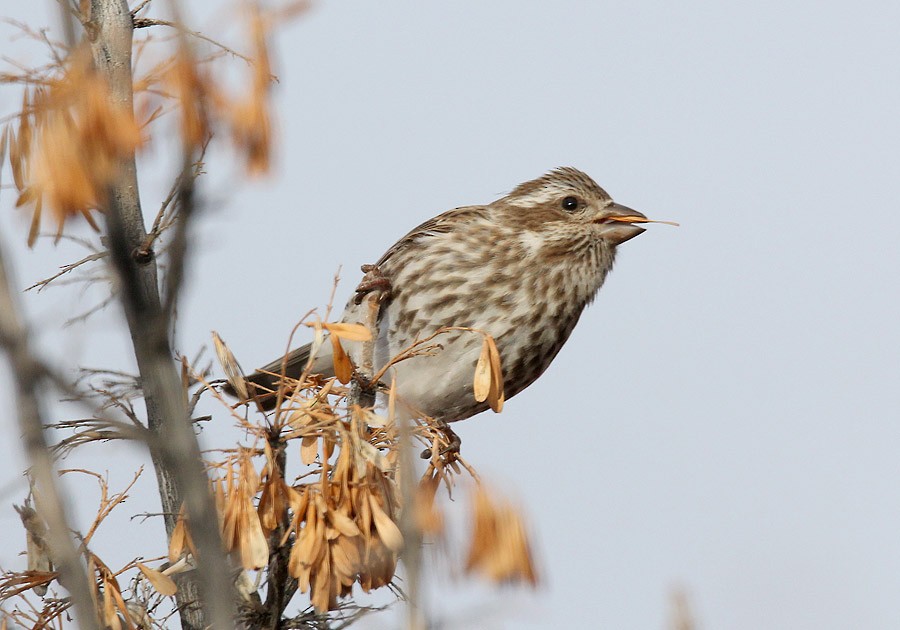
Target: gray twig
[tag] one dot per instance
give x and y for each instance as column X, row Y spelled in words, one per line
column 148, row 22
column 28, row 376
column 173, row 446
column 42, row 284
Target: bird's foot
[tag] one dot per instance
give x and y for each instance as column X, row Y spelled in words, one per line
column 367, row 383
column 374, row 280
column 450, row 451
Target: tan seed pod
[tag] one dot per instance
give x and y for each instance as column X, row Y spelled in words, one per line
column 496, row 395
column 253, row 545
column 321, row 597
column 343, row 368
column 163, row 584
column 343, row 523
column 309, row 449
column 110, row 618
column 386, row 528
column 233, row 372
column 350, row 332
column 482, row 380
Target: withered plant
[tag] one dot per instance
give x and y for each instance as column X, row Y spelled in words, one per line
column 319, row 499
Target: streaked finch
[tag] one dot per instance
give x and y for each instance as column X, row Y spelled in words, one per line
column 520, row 269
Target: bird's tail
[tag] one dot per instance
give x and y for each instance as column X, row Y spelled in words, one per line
column 262, row 385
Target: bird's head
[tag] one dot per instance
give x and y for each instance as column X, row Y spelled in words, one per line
column 568, row 198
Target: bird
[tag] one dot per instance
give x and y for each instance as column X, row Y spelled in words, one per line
column 520, row 269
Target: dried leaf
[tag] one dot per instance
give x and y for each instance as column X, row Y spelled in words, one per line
column 35, row 228
column 345, row 553
column 428, row 517
column 179, row 543
column 163, row 584
column 343, row 368
column 350, row 332
column 379, row 565
column 193, row 90
column 343, row 523
column 251, row 127
column 230, row 366
column 113, row 586
column 386, row 528
column 482, row 382
column 364, row 511
column 310, row 538
column 254, row 548
column 241, row 527
column 16, row 161
column 299, row 564
column 369, row 453
column 321, row 597
column 496, row 394
column 219, row 495
column 297, row 499
column 499, row 549
column 498, row 403
column 309, row 449
column 110, row 617
column 273, row 500
column 71, row 139
column 38, row 549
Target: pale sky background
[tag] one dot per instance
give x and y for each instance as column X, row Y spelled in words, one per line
column 725, row 416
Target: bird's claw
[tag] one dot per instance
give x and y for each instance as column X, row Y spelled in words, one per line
column 450, row 452
column 374, row 280
column 365, row 383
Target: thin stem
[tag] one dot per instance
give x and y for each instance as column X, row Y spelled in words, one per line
column 49, row 502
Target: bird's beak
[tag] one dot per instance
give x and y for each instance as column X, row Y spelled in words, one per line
column 619, row 223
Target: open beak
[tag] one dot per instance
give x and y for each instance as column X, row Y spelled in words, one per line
column 620, row 223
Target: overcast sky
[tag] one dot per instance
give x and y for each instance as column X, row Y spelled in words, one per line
column 725, row 416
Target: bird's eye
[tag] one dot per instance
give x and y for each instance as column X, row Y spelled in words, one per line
column 570, row 203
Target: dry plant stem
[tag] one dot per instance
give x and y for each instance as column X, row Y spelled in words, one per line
column 412, row 535
column 14, row 339
column 148, row 22
column 173, row 447
column 281, row 586
column 67, row 269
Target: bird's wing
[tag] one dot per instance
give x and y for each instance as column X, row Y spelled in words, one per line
column 449, row 221
column 296, row 360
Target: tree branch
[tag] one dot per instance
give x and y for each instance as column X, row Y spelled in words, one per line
column 28, row 376
column 174, row 446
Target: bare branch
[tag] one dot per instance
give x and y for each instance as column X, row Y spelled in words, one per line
column 174, row 446
column 148, row 22
column 28, row 374
column 159, row 225
column 107, row 502
column 88, row 430
column 140, row 8
column 42, row 284
column 281, row 586
column 178, row 247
